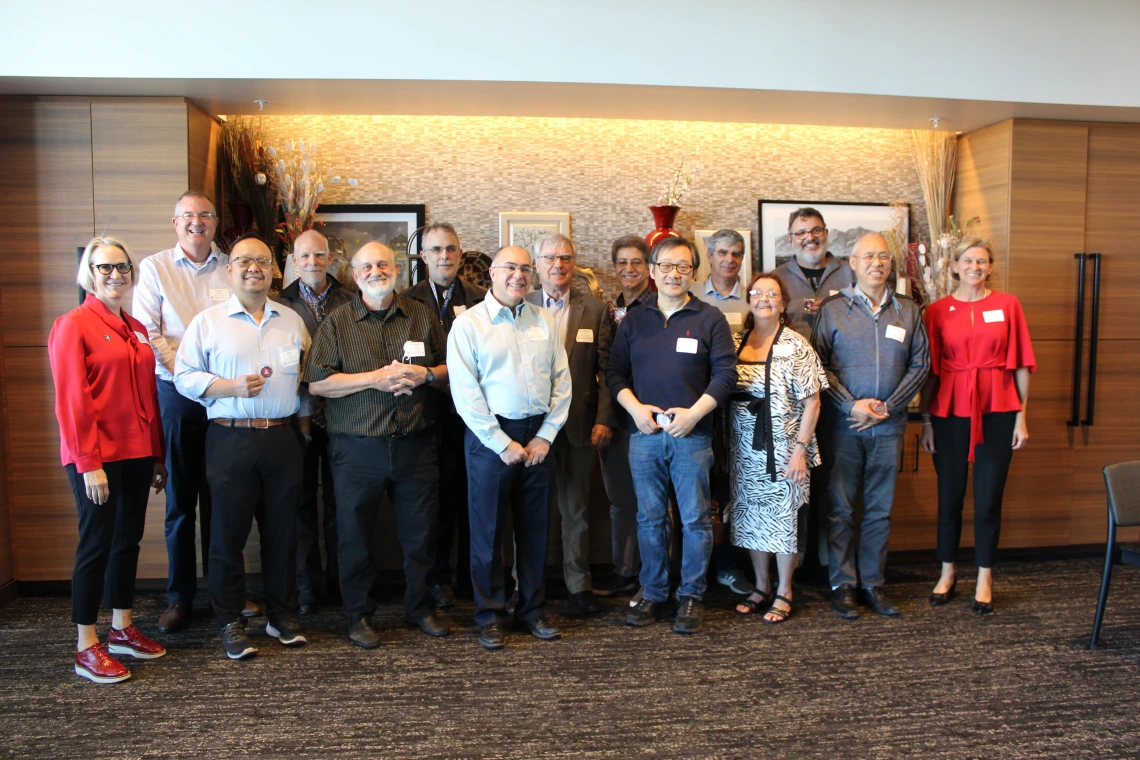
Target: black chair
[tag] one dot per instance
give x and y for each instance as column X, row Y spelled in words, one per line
column 1122, row 482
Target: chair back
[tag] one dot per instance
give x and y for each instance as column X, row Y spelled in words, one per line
column 1122, row 481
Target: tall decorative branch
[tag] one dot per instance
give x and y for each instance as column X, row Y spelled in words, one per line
column 245, row 151
column 675, row 190
column 300, row 182
column 935, row 159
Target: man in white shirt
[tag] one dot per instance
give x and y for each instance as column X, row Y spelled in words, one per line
column 511, row 384
column 174, row 286
column 242, row 360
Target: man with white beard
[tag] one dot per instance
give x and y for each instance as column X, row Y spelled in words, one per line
column 379, row 363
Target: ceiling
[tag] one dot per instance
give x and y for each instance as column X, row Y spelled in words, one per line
column 570, row 100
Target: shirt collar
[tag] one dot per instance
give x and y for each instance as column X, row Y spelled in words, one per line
column 181, row 254
column 549, row 301
column 888, row 296
column 235, row 307
column 307, row 292
column 712, row 291
column 361, row 311
column 497, row 309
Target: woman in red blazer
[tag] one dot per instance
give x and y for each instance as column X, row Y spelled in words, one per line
column 111, row 445
column 974, row 410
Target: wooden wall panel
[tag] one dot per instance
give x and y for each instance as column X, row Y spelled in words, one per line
column 203, row 136
column 1048, row 169
column 45, row 212
column 981, row 189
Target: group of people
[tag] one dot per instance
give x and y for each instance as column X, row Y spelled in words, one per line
column 467, row 408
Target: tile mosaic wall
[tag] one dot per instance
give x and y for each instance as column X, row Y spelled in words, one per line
column 605, row 172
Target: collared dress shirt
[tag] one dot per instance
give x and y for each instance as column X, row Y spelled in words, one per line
column 510, row 363
column 318, row 303
column 171, row 291
column 558, row 307
column 225, row 342
column 734, row 306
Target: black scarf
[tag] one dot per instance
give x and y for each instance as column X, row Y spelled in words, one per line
column 762, row 438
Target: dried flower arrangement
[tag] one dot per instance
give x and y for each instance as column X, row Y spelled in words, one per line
column 300, row 181
column 936, row 262
column 245, row 147
column 673, row 192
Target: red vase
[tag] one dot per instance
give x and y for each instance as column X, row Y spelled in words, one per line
column 663, row 217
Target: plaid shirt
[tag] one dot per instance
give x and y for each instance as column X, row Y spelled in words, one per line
column 319, row 304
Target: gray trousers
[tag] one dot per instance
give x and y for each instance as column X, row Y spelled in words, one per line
column 860, row 464
column 623, row 504
column 575, row 471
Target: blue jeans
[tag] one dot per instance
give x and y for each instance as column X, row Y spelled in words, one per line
column 654, row 461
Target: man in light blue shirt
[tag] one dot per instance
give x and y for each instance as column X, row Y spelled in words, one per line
column 242, row 360
column 511, row 385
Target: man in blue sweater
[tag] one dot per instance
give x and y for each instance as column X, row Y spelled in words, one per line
column 671, row 365
column 873, row 347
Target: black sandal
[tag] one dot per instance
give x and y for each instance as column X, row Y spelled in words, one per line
column 765, row 600
column 783, row 614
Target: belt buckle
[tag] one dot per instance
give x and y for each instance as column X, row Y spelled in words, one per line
column 260, row 423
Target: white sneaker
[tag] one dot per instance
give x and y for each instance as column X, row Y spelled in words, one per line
column 636, row 597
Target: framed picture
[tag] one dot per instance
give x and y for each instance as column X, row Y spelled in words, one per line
column 522, row 228
column 349, row 226
column 846, row 223
column 702, row 243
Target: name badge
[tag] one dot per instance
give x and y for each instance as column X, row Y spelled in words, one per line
column 536, row 333
column 414, row 348
column 894, row 332
column 833, row 293
column 994, row 315
column 458, row 309
column 142, row 338
column 686, row 345
column 782, row 350
column 585, row 336
column 219, row 294
column 735, row 318
column 290, row 356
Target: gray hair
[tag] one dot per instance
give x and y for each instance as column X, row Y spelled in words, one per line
column 194, row 194
column 440, row 227
column 85, row 279
column 726, row 236
column 666, row 244
column 553, row 240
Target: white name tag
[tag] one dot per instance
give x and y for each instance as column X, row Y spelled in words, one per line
column 834, row 293
column 290, row 356
column 585, row 336
column 219, row 294
column 781, row 350
column 142, row 338
column 686, row 345
column 735, row 318
column 458, row 309
column 536, row 333
column 414, row 348
column 994, row 315
column 894, row 332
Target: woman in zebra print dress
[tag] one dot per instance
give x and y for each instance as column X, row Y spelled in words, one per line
column 771, row 443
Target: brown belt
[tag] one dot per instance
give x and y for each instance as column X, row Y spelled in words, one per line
column 260, row 423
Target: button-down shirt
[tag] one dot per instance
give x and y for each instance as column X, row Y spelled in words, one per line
column 171, row 291
column 734, row 306
column 225, row 342
column 354, row 340
column 510, row 363
column 318, row 303
column 558, row 307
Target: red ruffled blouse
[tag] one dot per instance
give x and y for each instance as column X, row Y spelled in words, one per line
column 974, row 349
column 106, row 398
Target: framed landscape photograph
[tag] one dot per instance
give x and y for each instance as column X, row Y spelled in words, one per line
column 522, row 228
column 846, row 223
column 349, row 226
column 702, row 243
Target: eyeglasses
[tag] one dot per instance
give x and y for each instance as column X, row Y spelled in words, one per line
column 726, row 252
column 108, row 268
column 667, row 266
column 562, row 258
column 261, row 262
column 814, row 232
column 767, row 295
column 436, row 250
column 525, row 270
column 883, row 256
column 205, row 216
column 630, row 263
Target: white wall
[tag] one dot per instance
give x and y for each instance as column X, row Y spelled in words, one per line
column 1047, row 51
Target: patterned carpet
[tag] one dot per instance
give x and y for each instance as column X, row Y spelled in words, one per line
column 936, row 683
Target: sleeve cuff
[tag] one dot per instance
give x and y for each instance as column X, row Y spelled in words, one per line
column 547, row 432
column 499, row 442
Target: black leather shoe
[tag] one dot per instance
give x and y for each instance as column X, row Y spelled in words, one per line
column 431, row 624
column 617, row 585
column 645, row 612
column 361, row 633
column 542, row 628
column 937, row 600
column 875, row 599
column 843, row 602
column 690, row 613
column 512, row 604
column 982, row 608
column 443, row 595
column 308, row 600
column 491, row 637
column 584, row 602
column 175, row 618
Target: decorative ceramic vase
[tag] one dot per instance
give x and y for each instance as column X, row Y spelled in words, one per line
column 663, row 217
column 241, row 213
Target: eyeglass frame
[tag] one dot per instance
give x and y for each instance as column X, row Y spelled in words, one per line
column 190, row 216
column 525, row 270
column 243, row 262
column 661, row 265
column 813, row 232
column 114, row 267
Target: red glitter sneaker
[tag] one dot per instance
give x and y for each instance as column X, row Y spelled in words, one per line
column 95, row 664
column 131, row 641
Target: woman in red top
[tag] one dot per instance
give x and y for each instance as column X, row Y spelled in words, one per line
column 974, row 410
column 111, row 445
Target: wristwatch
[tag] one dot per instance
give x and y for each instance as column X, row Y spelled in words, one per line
column 430, row 377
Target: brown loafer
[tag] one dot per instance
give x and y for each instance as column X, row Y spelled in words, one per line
column 176, row 617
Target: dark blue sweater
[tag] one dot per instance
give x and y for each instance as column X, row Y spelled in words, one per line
column 645, row 358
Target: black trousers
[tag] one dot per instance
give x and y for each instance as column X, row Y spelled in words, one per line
column 184, row 426
column 107, row 556
column 494, row 488
column 364, row 469
column 454, row 528
column 991, row 467
column 254, row 475
column 317, row 476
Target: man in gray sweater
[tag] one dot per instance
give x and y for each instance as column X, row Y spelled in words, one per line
column 873, row 347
